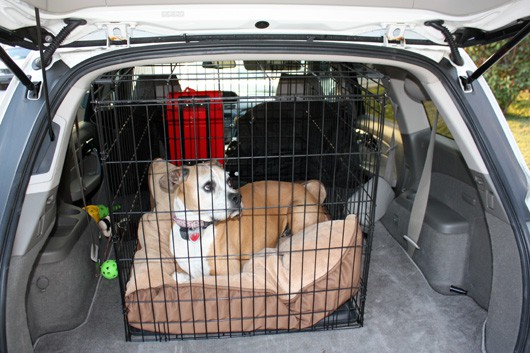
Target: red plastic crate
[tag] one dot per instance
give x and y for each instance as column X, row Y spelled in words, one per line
column 195, row 125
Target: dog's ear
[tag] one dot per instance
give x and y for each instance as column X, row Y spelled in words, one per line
column 316, row 189
column 168, row 182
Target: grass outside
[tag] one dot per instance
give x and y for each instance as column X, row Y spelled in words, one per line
column 518, row 118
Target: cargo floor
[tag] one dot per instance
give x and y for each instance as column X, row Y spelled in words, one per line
column 403, row 314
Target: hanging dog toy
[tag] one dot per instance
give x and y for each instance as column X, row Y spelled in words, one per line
column 104, row 226
column 103, row 211
column 93, row 211
column 104, row 221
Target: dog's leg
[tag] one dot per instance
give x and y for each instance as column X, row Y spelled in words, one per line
column 307, row 206
column 225, row 265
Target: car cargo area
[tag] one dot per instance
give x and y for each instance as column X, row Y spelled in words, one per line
column 142, row 249
column 402, row 312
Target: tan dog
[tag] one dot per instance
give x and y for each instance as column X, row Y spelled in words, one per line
column 216, row 229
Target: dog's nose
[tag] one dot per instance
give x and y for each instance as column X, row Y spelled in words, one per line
column 235, row 197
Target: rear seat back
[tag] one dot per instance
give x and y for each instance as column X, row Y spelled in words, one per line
column 298, row 86
column 155, row 86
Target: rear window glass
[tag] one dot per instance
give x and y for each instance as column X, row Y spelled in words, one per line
column 431, row 111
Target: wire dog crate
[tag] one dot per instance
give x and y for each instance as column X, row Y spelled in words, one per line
column 276, row 127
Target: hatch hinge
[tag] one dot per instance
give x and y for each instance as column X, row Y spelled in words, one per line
column 499, row 54
column 395, row 33
column 455, row 54
column 118, row 33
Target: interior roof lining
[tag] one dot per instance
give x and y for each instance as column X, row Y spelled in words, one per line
column 451, row 7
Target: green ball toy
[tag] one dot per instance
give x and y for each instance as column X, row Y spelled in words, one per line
column 109, row 269
column 103, row 211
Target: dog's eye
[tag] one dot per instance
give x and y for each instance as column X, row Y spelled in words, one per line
column 209, row 186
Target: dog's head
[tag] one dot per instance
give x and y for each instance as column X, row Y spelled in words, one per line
column 203, row 191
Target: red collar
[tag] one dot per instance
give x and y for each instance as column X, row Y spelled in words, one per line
column 190, row 230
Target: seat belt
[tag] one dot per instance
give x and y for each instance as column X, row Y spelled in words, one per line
column 390, row 166
column 417, row 214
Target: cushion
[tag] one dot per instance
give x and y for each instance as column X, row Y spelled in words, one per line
column 294, row 286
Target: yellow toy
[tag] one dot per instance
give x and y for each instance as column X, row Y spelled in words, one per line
column 93, row 211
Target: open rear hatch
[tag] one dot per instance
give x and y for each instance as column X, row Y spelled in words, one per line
column 138, row 22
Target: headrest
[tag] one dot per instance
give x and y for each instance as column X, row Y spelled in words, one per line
column 298, row 85
column 155, row 86
column 414, row 90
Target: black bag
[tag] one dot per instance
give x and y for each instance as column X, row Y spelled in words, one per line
column 296, row 141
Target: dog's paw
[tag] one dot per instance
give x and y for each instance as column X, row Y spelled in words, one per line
column 180, row 277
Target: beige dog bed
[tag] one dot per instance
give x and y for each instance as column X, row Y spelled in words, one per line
column 308, row 277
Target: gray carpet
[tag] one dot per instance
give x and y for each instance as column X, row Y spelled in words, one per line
column 403, row 314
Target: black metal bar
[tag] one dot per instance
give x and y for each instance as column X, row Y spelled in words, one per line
column 497, row 55
column 16, row 70
column 243, row 37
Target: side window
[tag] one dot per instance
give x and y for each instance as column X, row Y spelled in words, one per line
column 431, row 111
